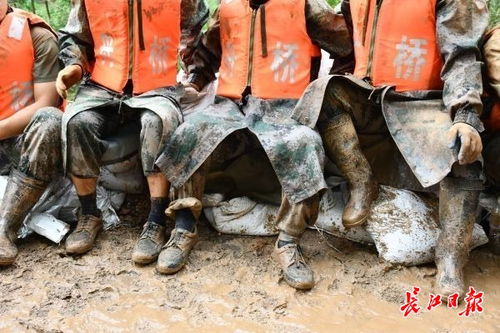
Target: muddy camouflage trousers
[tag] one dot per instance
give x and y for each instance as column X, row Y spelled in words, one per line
column 37, row 152
column 387, row 162
column 88, row 130
column 292, row 218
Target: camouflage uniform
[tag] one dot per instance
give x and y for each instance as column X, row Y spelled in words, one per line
column 37, row 152
column 395, row 158
column 34, row 157
column 294, row 150
column 403, row 135
column 98, row 113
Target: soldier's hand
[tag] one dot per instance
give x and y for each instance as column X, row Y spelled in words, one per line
column 471, row 145
column 192, row 93
column 66, row 78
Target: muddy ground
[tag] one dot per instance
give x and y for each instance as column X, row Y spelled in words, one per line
column 230, row 285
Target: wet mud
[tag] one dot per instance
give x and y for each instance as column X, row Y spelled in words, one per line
column 230, row 285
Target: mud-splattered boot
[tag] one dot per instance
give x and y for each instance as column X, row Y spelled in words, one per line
column 20, row 196
column 295, row 270
column 83, row 237
column 458, row 202
column 494, row 234
column 176, row 252
column 149, row 245
column 342, row 147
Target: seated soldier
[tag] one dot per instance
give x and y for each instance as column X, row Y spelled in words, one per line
column 128, row 53
column 265, row 53
column 413, row 86
column 29, row 120
column 491, row 137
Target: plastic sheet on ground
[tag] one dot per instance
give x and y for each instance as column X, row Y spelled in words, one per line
column 402, row 225
column 60, row 203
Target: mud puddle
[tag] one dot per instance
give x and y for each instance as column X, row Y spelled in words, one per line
column 230, row 285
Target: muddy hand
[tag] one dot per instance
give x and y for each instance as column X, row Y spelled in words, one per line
column 66, row 78
column 192, row 94
column 470, row 142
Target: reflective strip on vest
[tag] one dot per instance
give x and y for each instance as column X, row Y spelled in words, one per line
column 17, row 58
column 395, row 43
column 285, row 71
column 153, row 67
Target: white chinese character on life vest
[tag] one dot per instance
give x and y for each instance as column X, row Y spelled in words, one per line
column 410, row 58
column 229, row 59
column 285, row 63
column 22, row 95
column 158, row 55
column 106, row 50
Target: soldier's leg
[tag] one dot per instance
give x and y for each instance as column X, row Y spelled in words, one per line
column 342, row 147
column 491, row 155
column 292, row 221
column 458, row 203
column 9, row 154
column 152, row 238
column 185, row 210
column 85, row 132
column 40, row 160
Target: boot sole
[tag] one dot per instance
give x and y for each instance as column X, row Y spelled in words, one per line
column 78, row 251
column 356, row 224
column 4, row 262
column 168, row 270
column 144, row 260
column 300, row 286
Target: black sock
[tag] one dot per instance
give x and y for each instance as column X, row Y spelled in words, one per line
column 184, row 219
column 89, row 204
column 157, row 211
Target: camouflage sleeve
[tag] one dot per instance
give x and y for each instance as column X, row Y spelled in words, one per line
column 460, row 26
column 206, row 57
column 75, row 40
column 329, row 31
column 194, row 15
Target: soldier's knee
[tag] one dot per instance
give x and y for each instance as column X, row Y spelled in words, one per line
column 47, row 118
column 149, row 119
column 81, row 123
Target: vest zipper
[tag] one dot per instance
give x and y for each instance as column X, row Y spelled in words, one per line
column 130, row 38
column 372, row 39
column 251, row 47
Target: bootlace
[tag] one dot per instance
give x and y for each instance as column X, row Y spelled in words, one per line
column 150, row 231
column 176, row 240
column 85, row 224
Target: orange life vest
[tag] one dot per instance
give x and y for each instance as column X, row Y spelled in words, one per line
column 17, row 58
column 286, row 69
column 395, row 43
column 118, row 59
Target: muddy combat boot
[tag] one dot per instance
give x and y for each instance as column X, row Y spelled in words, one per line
column 458, row 202
column 494, row 234
column 149, row 245
column 20, row 196
column 295, row 270
column 175, row 253
column 342, row 147
column 82, row 238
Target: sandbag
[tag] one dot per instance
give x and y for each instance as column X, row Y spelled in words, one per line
column 402, row 225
